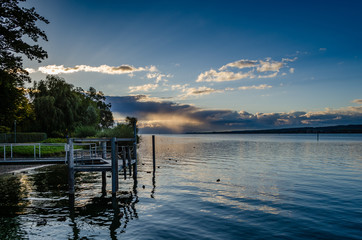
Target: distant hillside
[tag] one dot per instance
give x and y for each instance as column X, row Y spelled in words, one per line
column 330, row 129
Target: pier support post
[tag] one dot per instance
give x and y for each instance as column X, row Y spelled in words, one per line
column 104, row 177
column 129, row 160
column 135, row 152
column 114, row 166
column 70, row 166
column 153, row 153
column 104, row 183
column 104, row 150
column 124, row 162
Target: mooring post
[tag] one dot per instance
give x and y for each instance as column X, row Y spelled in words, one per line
column 70, row 165
column 104, row 183
column 135, row 152
column 124, row 162
column 104, row 177
column 153, row 153
column 114, row 166
column 129, row 160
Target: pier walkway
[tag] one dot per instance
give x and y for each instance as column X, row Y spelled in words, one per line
column 81, row 155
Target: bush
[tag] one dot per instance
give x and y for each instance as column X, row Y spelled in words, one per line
column 22, row 137
column 85, row 131
column 4, row 129
column 120, row 131
column 55, row 140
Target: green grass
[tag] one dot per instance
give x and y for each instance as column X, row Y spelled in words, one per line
column 28, row 151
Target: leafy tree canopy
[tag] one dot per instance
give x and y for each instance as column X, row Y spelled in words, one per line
column 18, row 36
column 60, row 107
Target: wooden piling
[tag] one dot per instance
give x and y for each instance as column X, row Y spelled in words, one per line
column 70, row 166
column 129, row 160
column 153, row 153
column 104, row 177
column 114, row 146
column 135, row 152
column 124, row 162
column 104, row 183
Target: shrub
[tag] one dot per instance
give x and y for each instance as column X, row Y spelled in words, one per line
column 85, row 131
column 55, row 140
column 22, row 137
column 120, row 131
column 4, row 129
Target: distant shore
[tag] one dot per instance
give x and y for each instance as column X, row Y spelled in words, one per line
column 304, row 130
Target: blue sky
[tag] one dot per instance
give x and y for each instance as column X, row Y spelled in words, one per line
column 211, row 65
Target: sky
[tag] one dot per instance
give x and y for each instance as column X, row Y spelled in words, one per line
column 181, row 66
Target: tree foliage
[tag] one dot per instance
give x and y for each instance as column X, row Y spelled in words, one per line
column 60, row 107
column 18, row 36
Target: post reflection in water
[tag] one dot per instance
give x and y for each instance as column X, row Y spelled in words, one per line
column 36, row 204
column 115, row 211
column 153, row 185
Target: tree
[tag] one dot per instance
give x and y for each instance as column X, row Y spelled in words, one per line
column 16, row 24
column 60, row 108
column 57, row 106
column 131, row 121
column 106, row 116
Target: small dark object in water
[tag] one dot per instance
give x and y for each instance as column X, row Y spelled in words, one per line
column 169, row 159
column 175, row 160
column 41, row 222
column 143, row 186
column 148, row 171
column 218, row 180
column 158, row 166
column 143, row 164
column 62, row 219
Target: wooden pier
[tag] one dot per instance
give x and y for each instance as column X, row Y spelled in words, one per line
column 117, row 155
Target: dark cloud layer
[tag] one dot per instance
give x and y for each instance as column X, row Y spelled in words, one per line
column 166, row 116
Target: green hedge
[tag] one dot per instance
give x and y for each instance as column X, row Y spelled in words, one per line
column 22, row 137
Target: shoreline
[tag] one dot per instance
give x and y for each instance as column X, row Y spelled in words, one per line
column 7, row 169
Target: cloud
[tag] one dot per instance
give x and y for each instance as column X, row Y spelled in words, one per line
column 260, row 87
column 240, row 64
column 179, row 87
column 323, row 49
column 291, row 70
column 269, row 66
column 269, row 75
column 289, row 59
column 214, row 76
column 198, row 91
column 166, row 116
column 158, row 76
column 256, row 69
column 143, row 88
column 105, row 69
column 358, row 101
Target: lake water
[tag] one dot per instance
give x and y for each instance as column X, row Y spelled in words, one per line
column 206, row 187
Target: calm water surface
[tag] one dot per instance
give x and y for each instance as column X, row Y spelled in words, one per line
column 206, row 187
